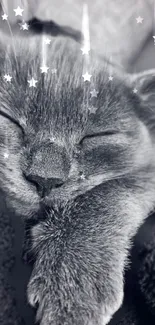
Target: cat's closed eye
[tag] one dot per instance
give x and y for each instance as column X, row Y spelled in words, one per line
column 12, row 120
column 99, row 137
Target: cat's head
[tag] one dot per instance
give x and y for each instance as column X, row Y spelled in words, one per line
column 59, row 139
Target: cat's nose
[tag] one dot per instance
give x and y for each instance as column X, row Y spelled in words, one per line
column 44, row 185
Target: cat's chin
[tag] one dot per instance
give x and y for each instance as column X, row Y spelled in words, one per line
column 27, row 201
column 22, row 207
column 72, row 189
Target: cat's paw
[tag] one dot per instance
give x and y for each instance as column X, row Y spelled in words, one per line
column 108, row 310
column 41, row 298
column 69, row 288
column 40, row 294
column 34, row 291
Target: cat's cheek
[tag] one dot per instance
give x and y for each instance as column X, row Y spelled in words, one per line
column 20, row 195
column 107, row 312
column 21, row 207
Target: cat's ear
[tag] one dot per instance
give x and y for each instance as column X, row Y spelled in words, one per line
column 143, row 88
column 143, row 84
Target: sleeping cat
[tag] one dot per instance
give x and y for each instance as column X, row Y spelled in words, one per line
column 82, row 167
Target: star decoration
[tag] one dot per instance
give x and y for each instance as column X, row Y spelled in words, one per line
column 92, row 109
column 38, row 156
column 52, row 139
column 94, row 93
column 44, row 69
column 22, row 120
column 47, row 41
column 135, row 90
column 6, row 155
column 111, row 78
column 86, row 76
column 7, row 77
column 24, row 26
column 32, row 82
column 18, row 11
column 82, row 176
column 4, row 17
column 85, row 50
column 54, row 71
column 139, row 20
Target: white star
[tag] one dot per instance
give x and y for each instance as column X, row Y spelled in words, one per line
column 7, row 77
column 47, row 41
column 24, row 26
column 85, row 50
column 135, row 90
column 111, row 78
column 54, row 71
column 92, row 109
column 52, row 139
column 86, row 76
column 82, row 176
column 32, row 82
column 44, row 69
column 6, row 155
column 4, row 17
column 139, row 20
column 94, row 93
column 22, row 120
column 18, row 11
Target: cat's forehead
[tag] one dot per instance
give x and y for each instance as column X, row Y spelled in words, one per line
column 60, row 99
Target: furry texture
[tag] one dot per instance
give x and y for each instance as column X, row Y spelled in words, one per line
column 83, row 226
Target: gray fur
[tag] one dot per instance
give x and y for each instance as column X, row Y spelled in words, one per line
column 84, row 228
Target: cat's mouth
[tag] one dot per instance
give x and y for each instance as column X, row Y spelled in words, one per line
column 63, row 194
column 73, row 188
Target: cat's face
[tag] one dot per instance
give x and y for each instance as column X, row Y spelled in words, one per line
column 53, row 144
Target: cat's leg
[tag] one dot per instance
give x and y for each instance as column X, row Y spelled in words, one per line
column 81, row 288
column 80, row 256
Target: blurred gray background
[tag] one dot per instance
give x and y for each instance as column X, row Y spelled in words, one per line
column 114, row 30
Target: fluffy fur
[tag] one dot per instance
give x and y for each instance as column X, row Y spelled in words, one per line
column 83, row 225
